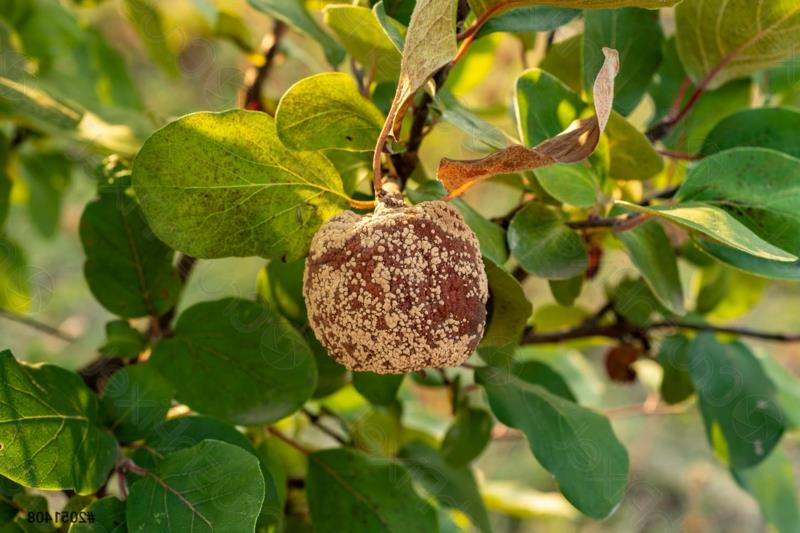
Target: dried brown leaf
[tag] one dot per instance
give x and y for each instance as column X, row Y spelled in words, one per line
column 574, row 144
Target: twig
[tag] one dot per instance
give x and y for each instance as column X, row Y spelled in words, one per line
column 661, row 129
column 622, row 328
column 288, row 440
column 680, row 155
column 315, row 419
column 662, row 194
column 35, row 324
column 618, row 224
column 250, row 97
column 130, row 466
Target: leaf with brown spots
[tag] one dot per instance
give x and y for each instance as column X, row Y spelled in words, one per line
column 574, row 144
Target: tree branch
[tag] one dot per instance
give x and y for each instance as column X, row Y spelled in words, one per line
column 622, row 328
column 250, row 97
column 316, row 420
column 35, row 324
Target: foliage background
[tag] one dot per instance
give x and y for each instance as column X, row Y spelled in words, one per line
column 675, row 482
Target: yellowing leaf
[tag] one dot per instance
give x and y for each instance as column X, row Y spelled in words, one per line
column 574, row 144
column 222, row 184
column 720, row 40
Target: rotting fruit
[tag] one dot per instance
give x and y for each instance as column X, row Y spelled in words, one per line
column 398, row 290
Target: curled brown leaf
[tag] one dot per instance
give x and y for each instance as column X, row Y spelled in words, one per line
column 574, row 144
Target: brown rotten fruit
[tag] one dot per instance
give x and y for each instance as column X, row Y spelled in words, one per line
column 397, row 291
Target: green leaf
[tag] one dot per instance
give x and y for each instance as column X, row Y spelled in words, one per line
column 788, row 388
column 47, row 175
column 636, row 35
column 673, row 356
column 711, row 107
column 398, row 9
column 183, row 432
column 28, row 503
column 723, row 40
column 15, row 291
column 235, row 360
column 544, row 246
column 635, row 302
column 394, row 30
column 349, row 491
column 467, row 436
column 563, row 60
column 717, row 224
column 742, row 417
column 459, row 116
column 760, row 187
column 652, row 253
column 295, row 15
column 231, row 26
column 379, row 431
column 149, row 23
column 281, row 286
column 134, row 401
column 565, row 291
column 49, row 429
column 573, row 443
column 108, row 516
column 327, row 111
column 361, row 33
column 128, row 270
column 122, row 340
column 740, row 293
column 529, row 19
column 772, row 484
column 508, row 307
column 708, row 110
column 36, row 107
column 491, row 237
column 379, row 389
column 749, row 263
column 222, row 184
column 632, row 155
column 500, row 6
column 763, row 127
column 544, row 106
column 331, row 375
column 573, row 184
column 453, row 486
column 212, row 486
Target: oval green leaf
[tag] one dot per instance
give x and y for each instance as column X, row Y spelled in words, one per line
column 210, row 487
column 573, row 443
column 236, row 360
column 651, row 251
column 327, row 111
column 222, row 184
column 50, row 432
column 737, row 400
column 128, row 270
column 351, row 492
column 544, row 246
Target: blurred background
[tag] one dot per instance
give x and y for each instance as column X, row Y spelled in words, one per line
column 193, row 55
